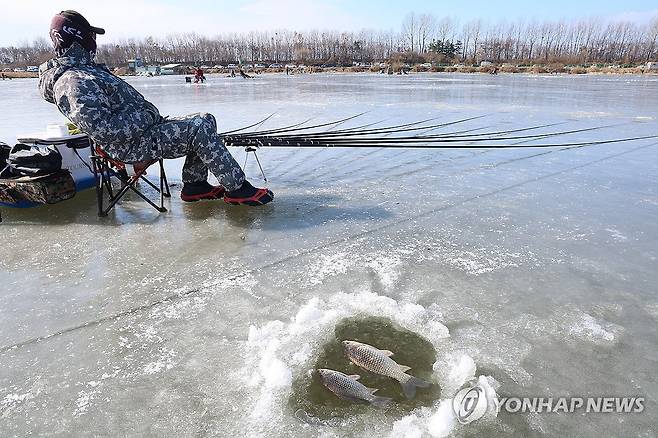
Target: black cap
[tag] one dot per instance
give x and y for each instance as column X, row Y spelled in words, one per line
column 78, row 19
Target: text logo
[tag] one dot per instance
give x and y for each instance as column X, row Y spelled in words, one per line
column 470, row 404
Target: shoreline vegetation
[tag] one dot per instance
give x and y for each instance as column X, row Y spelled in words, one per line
column 423, row 42
column 404, row 70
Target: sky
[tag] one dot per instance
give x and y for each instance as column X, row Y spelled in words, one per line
column 24, row 20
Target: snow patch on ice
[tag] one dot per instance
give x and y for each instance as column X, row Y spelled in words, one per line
column 617, row 236
column 83, row 402
column 572, row 235
column 588, row 114
column 185, row 308
column 650, row 201
column 165, row 361
column 453, row 370
column 17, row 397
column 329, row 265
column 443, row 420
column 385, row 266
column 10, row 401
column 588, row 327
column 481, row 262
column 408, row 427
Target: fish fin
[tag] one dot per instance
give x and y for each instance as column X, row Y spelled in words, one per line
column 409, row 387
column 381, row 402
column 404, row 368
column 354, row 376
column 388, row 353
column 372, row 390
column 348, row 398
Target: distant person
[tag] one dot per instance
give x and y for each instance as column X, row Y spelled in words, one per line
column 130, row 128
column 199, row 76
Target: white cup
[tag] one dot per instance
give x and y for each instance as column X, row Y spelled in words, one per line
column 57, row 130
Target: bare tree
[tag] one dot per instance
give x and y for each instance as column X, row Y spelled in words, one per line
column 568, row 42
column 652, row 40
column 426, row 29
column 475, row 29
column 409, row 30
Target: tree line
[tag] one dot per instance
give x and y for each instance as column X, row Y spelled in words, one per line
column 421, row 38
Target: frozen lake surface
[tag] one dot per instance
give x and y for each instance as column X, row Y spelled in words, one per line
column 535, row 269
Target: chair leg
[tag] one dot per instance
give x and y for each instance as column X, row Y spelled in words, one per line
column 162, row 192
column 141, row 195
column 114, row 199
column 163, row 177
column 108, row 178
column 148, row 182
column 98, row 177
column 104, row 173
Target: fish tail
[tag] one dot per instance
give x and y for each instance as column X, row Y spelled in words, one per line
column 409, row 386
column 381, row 402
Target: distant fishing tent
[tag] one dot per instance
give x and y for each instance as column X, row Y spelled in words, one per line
column 172, row 69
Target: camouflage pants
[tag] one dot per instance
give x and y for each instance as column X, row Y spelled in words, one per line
column 194, row 137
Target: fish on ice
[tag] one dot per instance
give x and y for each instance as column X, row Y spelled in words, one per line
column 379, row 362
column 348, row 387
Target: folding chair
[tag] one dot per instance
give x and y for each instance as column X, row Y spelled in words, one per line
column 105, row 167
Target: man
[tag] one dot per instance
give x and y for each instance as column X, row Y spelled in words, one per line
column 128, row 127
column 199, row 76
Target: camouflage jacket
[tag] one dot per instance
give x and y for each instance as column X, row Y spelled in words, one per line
column 106, row 108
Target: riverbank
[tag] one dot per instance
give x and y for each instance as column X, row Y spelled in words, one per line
column 18, row 75
column 594, row 70
column 399, row 70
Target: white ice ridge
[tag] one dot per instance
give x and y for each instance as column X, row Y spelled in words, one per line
column 277, row 350
column 385, row 264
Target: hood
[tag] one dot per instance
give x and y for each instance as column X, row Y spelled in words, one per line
column 51, row 71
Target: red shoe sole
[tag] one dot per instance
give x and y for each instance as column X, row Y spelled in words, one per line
column 216, row 193
column 262, row 197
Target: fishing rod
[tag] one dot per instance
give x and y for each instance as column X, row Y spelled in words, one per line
column 291, row 128
column 389, row 129
column 398, row 136
column 360, row 142
column 317, row 144
column 248, row 127
column 457, row 134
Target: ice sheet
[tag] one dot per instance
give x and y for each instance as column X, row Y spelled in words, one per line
column 536, row 268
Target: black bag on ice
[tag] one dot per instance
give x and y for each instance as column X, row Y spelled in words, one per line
column 5, row 171
column 27, row 160
column 4, row 152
